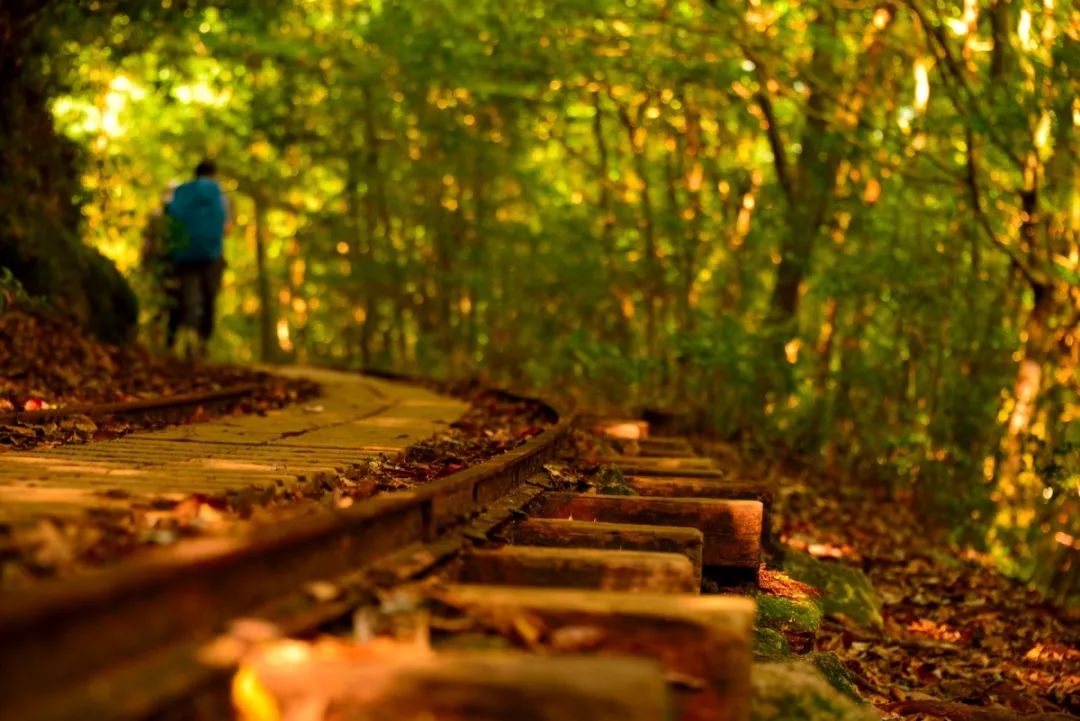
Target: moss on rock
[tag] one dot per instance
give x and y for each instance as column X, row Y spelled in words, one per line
column 796, row 691
column 770, row 645
column 834, row 672
column 789, row 615
column 844, row 590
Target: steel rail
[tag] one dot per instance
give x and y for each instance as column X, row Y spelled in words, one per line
column 58, row 637
column 126, row 408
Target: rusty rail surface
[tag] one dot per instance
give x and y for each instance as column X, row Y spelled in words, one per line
column 128, row 408
column 61, row 642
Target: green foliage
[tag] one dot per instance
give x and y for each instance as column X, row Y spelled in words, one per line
column 42, row 204
column 836, row 232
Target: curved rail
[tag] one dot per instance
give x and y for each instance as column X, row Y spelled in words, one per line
column 53, row 634
column 127, row 408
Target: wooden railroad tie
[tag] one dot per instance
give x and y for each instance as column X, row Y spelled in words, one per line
column 652, row 446
column 721, row 488
column 632, row 466
column 703, row 642
column 619, row 429
column 732, row 528
column 680, row 487
column 602, row 591
column 661, row 463
column 582, row 568
column 563, row 533
column 463, row 686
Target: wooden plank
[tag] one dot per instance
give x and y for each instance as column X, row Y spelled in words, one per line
column 669, row 421
column 656, row 446
column 618, row 428
column 491, row 686
column 581, row 568
column 562, row 533
column 732, row 529
column 666, row 441
column 631, row 467
column 707, row 639
column 729, row 488
column 661, row 462
column 676, row 487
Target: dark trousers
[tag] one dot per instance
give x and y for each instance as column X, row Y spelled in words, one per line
column 193, row 295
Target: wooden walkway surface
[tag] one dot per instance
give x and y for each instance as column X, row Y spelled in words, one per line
column 356, row 418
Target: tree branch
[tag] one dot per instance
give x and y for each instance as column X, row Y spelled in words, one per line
column 776, row 143
column 935, row 33
column 972, row 180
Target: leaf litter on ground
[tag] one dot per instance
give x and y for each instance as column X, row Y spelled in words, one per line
column 960, row 641
column 48, row 362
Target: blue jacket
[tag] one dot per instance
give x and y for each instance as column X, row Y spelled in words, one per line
column 199, row 208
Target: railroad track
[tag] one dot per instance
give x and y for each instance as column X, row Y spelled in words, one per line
column 164, row 408
column 601, row 580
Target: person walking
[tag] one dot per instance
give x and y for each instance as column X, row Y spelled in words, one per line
column 157, row 268
column 201, row 213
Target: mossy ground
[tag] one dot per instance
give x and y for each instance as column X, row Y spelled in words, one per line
column 844, row 590
column 788, row 619
column 770, row 645
column 830, row 666
column 789, row 615
column 797, row 691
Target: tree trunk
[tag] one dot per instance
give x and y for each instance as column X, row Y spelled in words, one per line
column 617, row 324
column 647, row 224
column 267, row 343
column 1025, row 394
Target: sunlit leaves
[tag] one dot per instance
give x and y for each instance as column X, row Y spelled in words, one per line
column 504, row 184
column 922, row 85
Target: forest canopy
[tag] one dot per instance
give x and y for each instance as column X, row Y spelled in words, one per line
column 841, row 231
